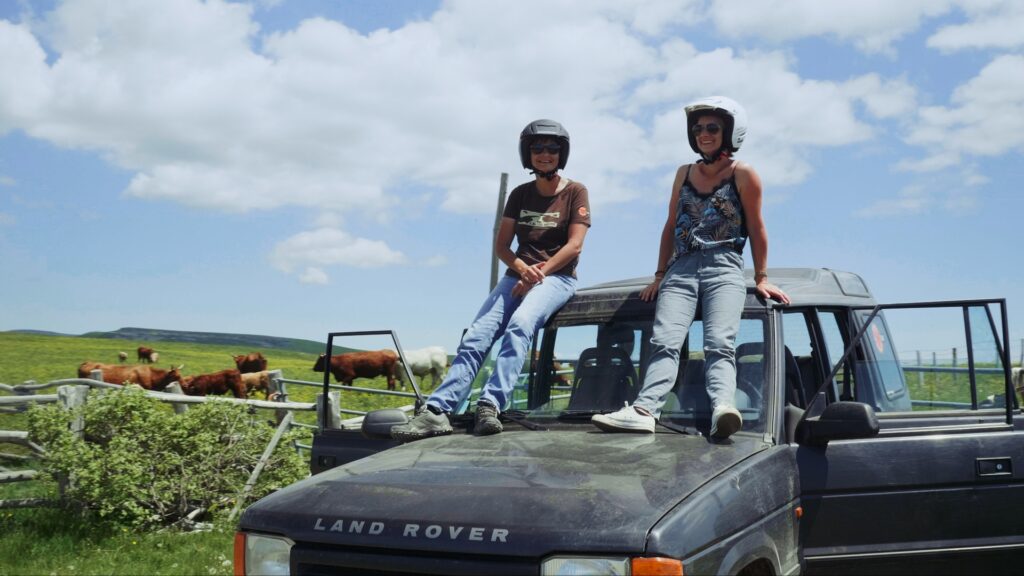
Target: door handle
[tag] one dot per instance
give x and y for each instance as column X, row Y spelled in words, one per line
column 994, row 467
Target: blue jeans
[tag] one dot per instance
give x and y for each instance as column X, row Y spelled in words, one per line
column 514, row 320
column 715, row 279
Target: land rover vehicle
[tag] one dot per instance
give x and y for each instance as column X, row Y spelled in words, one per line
column 849, row 460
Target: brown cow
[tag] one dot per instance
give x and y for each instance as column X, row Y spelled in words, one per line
column 145, row 354
column 146, row 376
column 215, row 383
column 351, row 365
column 558, row 371
column 257, row 381
column 252, row 362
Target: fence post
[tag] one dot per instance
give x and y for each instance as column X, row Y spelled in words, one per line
column 175, row 388
column 276, row 392
column 96, row 375
column 333, row 410
column 954, row 366
column 920, row 374
column 70, row 398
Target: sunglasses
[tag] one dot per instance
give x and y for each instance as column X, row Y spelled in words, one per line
column 549, row 148
column 711, row 128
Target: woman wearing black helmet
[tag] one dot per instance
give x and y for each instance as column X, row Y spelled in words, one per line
column 549, row 218
column 715, row 208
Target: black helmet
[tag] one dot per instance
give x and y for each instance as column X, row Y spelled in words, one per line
column 543, row 129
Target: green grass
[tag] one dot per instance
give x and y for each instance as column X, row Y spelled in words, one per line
column 50, row 540
column 945, row 387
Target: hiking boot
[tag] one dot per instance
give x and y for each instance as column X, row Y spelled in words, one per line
column 625, row 419
column 487, row 422
column 725, row 421
column 423, row 425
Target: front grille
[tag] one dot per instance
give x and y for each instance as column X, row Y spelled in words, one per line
column 312, row 560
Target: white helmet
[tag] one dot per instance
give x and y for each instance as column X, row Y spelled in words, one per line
column 732, row 114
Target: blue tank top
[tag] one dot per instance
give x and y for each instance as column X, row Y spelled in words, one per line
column 705, row 221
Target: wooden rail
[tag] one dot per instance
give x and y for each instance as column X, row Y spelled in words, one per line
column 72, row 392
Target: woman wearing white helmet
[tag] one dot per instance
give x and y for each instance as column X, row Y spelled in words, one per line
column 549, row 217
column 715, row 208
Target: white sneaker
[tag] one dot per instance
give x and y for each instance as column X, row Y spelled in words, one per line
column 725, row 421
column 625, row 419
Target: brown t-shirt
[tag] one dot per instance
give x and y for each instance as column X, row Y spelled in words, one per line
column 542, row 222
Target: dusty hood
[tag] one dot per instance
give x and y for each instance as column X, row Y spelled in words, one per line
column 521, row 492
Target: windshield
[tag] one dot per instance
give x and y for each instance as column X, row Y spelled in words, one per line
column 588, row 368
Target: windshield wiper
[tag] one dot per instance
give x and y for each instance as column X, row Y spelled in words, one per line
column 678, row 428
column 581, row 414
column 519, row 417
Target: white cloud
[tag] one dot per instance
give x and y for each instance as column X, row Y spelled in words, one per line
column 204, row 110
column 951, row 195
column 883, row 98
column 7, row 180
column 23, row 82
column 313, row 275
column 788, row 115
column 910, row 201
column 991, row 24
column 313, row 250
column 435, row 261
column 6, row 219
column 871, row 25
column 985, row 118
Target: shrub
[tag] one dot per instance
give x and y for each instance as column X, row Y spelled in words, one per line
column 137, row 463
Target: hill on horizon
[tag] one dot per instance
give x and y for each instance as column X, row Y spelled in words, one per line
column 243, row 341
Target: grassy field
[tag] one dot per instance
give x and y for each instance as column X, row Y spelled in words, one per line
column 52, row 541
column 946, row 387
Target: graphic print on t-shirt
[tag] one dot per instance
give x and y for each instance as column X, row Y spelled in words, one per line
column 538, row 219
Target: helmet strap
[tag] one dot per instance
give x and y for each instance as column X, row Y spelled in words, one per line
column 722, row 152
column 549, row 175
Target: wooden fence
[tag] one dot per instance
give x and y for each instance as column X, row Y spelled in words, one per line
column 73, row 392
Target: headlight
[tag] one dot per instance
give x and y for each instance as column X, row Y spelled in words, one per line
column 258, row 554
column 572, row 566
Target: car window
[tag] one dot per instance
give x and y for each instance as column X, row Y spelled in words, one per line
column 930, row 359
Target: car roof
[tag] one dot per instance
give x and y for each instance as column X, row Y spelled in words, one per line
column 804, row 286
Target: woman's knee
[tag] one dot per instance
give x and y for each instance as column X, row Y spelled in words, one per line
column 723, row 352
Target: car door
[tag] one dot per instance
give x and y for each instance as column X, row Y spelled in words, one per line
column 940, row 489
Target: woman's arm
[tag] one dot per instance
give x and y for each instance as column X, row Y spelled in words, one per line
column 667, row 244
column 573, row 248
column 502, row 247
column 749, row 187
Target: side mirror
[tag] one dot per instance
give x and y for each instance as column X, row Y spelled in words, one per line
column 377, row 424
column 839, row 421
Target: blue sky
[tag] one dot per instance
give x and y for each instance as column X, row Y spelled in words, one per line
column 298, row 167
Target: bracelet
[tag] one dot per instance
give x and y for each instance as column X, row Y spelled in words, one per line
column 761, row 274
column 659, row 273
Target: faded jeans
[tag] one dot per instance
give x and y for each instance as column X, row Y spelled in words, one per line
column 514, row 320
column 713, row 277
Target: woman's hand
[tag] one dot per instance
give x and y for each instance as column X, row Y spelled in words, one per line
column 768, row 290
column 532, row 274
column 651, row 291
column 520, row 289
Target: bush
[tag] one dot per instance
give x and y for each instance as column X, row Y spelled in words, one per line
column 137, row 463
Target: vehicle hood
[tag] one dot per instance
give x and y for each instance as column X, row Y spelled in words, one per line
column 525, row 493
